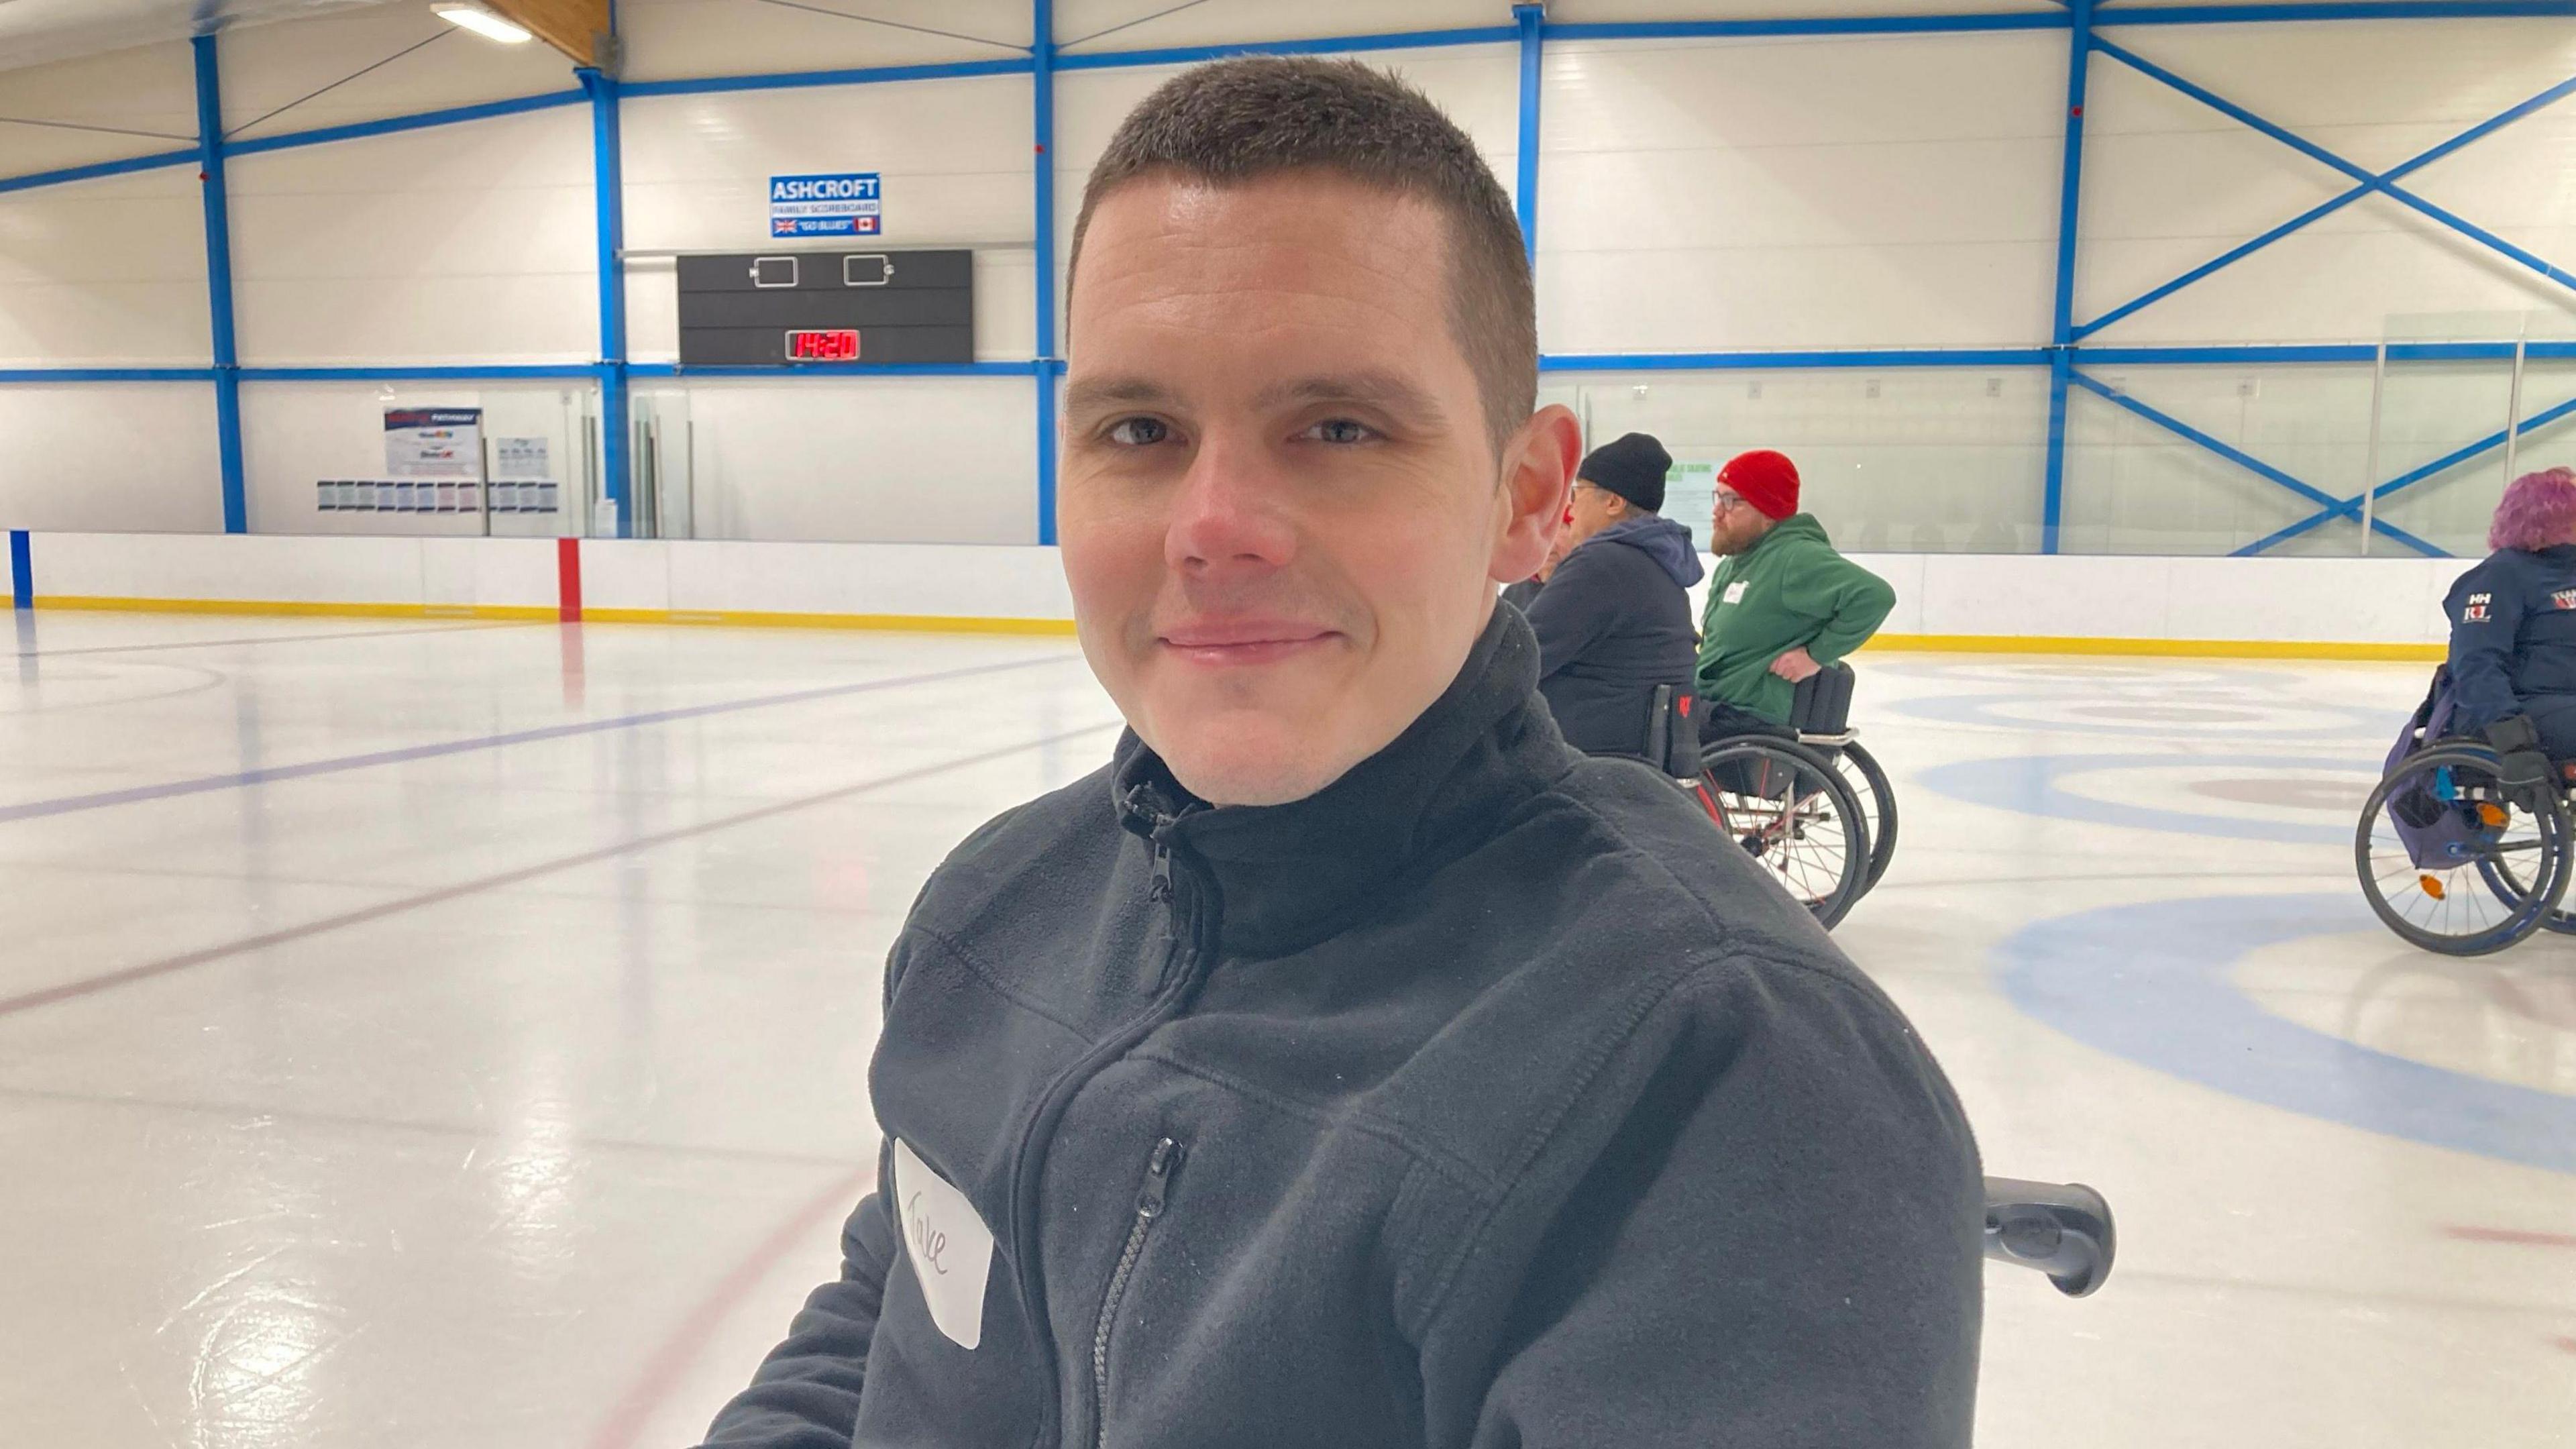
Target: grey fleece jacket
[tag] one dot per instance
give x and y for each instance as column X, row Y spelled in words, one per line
column 1486, row 1098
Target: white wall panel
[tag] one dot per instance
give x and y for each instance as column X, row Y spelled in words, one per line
column 295, row 434
column 899, row 460
column 687, row 39
column 1807, row 193
column 2170, row 183
column 110, row 457
column 104, row 272
column 1478, row 86
column 461, row 244
column 149, row 88
column 826, row 578
column 955, row 157
column 269, row 66
column 2366, row 601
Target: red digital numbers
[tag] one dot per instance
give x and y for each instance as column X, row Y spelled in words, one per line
column 837, row 344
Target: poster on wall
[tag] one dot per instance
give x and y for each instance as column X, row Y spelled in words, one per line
column 434, row 443
column 522, row 459
column 1690, row 493
column 844, row 203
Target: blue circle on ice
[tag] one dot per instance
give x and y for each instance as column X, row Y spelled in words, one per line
column 2152, row 983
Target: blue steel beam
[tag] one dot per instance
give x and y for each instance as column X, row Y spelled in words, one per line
column 1985, row 21
column 608, row 191
column 804, row 79
column 219, row 285
column 2351, row 507
column 2061, row 333
column 793, row 371
column 1322, row 45
column 1531, row 19
column 96, row 169
column 2370, row 180
column 448, row 116
column 498, row 372
column 1042, row 204
column 2326, row 208
column 1744, row 361
column 2242, row 459
column 1894, row 359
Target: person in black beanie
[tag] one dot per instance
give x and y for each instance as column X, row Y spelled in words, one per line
column 1614, row 621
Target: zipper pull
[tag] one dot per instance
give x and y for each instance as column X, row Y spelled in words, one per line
column 1158, row 1179
column 1161, row 889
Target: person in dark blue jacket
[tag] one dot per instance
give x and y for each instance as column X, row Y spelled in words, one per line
column 2513, row 624
column 1614, row 621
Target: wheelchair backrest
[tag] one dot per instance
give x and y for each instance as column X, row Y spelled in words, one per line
column 1672, row 732
column 1823, row 702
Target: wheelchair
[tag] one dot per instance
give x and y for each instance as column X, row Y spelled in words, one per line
column 1808, row 802
column 2450, row 857
column 1783, row 794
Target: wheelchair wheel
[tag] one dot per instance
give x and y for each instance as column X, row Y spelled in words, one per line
column 2491, row 868
column 1793, row 814
column 1877, row 799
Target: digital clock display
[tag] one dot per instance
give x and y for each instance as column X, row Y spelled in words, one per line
column 829, row 344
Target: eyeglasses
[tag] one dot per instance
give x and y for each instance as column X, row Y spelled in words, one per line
column 1728, row 502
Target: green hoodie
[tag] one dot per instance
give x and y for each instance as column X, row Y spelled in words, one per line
column 1789, row 589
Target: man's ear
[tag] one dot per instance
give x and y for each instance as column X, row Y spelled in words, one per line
column 1537, row 482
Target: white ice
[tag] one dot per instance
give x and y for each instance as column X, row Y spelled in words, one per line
column 455, row 1034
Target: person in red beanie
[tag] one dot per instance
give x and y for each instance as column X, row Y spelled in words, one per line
column 1782, row 604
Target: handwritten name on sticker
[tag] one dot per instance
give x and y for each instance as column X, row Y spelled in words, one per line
column 950, row 1248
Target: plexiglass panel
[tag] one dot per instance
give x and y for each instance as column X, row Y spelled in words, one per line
column 1913, row 460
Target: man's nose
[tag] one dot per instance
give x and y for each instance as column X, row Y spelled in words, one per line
column 1230, row 515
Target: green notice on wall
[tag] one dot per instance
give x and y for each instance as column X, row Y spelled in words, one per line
column 1690, row 491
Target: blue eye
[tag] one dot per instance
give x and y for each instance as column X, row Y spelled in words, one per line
column 1339, row 430
column 1139, row 432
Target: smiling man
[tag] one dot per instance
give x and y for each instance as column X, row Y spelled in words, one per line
column 1350, row 1062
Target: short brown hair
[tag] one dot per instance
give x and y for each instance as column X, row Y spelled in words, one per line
column 1234, row 120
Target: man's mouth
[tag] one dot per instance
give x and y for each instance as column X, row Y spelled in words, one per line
column 1237, row 643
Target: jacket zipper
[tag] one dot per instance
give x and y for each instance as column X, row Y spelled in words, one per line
column 1181, row 971
column 1149, row 1209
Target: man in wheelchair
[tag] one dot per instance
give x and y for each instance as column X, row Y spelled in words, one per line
column 1613, row 622
column 1783, row 604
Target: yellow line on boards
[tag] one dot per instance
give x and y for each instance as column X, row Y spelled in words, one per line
column 728, row 618
column 951, row 624
column 891, row 623
column 2163, row 648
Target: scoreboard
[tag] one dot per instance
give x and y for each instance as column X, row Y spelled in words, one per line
column 782, row 308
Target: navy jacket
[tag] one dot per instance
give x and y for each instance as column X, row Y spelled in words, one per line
column 2513, row 642
column 1488, row 1097
column 1614, row 622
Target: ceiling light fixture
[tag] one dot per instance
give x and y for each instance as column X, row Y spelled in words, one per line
column 482, row 22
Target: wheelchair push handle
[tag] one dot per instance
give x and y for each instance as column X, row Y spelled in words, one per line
column 2062, row 1229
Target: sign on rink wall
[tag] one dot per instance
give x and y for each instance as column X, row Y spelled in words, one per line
column 843, row 203
column 434, row 443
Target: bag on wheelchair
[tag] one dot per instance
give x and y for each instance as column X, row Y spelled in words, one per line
column 2439, row 832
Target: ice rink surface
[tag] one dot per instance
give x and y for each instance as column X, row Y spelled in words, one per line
column 455, row 1034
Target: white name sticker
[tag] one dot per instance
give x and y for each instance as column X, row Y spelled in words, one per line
column 951, row 1249
column 1735, row 592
